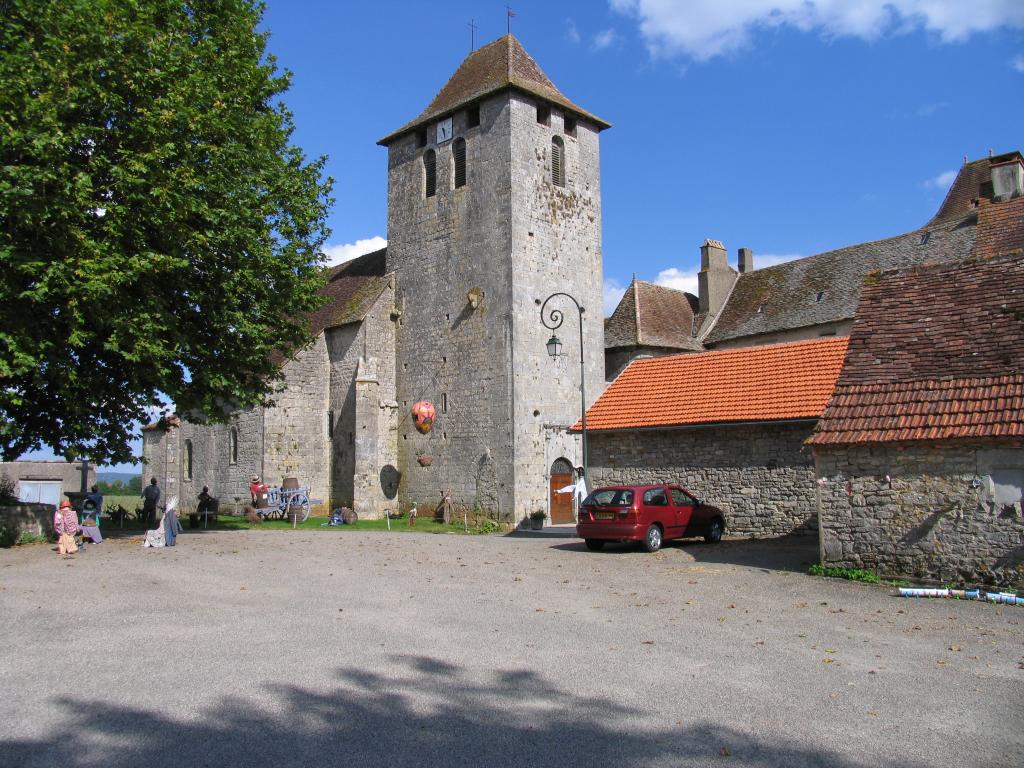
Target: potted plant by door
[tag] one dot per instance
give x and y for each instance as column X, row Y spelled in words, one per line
column 537, row 520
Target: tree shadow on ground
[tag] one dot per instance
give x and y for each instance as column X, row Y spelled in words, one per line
column 784, row 553
column 423, row 712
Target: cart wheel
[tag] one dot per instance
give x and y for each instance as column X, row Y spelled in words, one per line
column 298, row 507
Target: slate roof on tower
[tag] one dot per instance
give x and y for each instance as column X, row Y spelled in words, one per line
column 498, row 65
column 653, row 316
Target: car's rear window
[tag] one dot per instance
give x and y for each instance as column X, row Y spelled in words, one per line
column 610, row 497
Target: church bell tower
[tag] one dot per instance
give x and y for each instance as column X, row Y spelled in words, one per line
column 494, row 203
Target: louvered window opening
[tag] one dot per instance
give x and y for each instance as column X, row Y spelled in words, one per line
column 557, row 162
column 459, row 155
column 430, row 172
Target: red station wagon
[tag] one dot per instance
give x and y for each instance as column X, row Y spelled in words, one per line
column 649, row 514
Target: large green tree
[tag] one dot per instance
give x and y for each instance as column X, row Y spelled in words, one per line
column 159, row 235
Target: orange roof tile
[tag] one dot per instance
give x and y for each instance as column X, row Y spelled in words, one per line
column 936, row 353
column 768, row 383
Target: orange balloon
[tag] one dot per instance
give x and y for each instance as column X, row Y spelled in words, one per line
column 423, row 415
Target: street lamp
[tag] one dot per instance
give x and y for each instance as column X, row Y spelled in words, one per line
column 553, row 321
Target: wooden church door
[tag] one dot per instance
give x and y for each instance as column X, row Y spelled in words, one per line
column 561, row 503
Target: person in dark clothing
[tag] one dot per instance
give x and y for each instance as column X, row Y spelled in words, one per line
column 207, row 503
column 150, row 497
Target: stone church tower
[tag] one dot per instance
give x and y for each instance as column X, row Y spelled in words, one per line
column 494, row 202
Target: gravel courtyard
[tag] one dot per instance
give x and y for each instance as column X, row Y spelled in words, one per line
column 260, row 648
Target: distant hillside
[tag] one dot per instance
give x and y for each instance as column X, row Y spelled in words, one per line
column 115, row 477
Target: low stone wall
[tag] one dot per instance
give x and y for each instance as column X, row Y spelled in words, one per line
column 35, row 519
column 761, row 477
column 945, row 514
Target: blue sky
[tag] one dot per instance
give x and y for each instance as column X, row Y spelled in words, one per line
column 787, row 126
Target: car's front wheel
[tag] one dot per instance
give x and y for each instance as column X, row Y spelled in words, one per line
column 594, row 545
column 652, row 539
column 715, row 530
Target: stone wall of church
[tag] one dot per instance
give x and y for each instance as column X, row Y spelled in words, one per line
column 760, row 476
column 374, row 341
column 450, row 352
column 295, row 442
column 556, row 247
column 216, row 464
column 947, row 513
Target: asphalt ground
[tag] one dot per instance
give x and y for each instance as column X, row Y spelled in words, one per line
column 261, row 648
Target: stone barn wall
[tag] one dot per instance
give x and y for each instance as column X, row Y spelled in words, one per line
column 944, row 513
column 760, row 476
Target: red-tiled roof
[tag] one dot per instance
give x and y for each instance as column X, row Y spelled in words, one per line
column 770, row 383
column 1000, row 228
column 936, row 353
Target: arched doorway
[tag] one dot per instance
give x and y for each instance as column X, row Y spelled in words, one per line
column 561, row 503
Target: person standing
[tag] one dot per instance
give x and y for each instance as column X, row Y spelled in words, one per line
column 65, row 525
column 150, row 497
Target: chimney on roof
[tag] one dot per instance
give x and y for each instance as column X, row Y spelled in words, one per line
column 746, row 260
column 715, row 279
column 1008, row 178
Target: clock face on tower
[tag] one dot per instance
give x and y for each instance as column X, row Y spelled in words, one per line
column 444, row 130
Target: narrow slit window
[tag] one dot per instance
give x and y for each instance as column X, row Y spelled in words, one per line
column 233, row 446
column 459, row 158
column 188, row 459
column 473, row 116
column 543, row 114
column 570, row 126
column 330, row 425
column 444, row 402
column 430, row 172
column 557, row 161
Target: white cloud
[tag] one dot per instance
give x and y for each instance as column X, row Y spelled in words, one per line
column 942, row 181
column 927, row 110
column 1018, row 63
column 613, row 291
column 681, row 280
column 571, row 32
column 762, row 260
column 338, row 254
column 604, row 39
column 703, row 29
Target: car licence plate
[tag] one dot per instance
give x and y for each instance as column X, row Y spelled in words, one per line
column 604, row 515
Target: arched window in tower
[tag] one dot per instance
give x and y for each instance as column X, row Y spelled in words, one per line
column 459, row 158
column 430, row 172
column 557, row 161
column 233, row 445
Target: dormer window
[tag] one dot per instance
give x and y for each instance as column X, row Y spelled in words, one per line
column 819, row 297
column 925, row 238
column 557, row 161
column 430, row 172
column 544, row 114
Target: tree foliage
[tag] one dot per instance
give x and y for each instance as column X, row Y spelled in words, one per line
column 159, row 235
